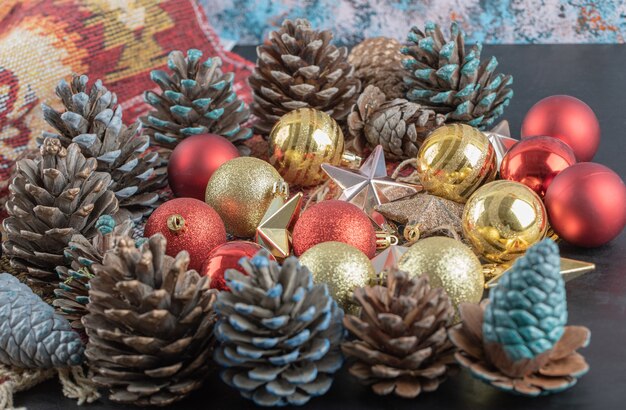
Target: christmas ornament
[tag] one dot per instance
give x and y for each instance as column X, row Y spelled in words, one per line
column 400, row 126
column 518, row 341
column 570, row 270
column 227, row 256
column 340, row 266
column 388, row 259
column 567, row 119
column 279, row 334
column 449, row 265
column 196, row 98
column 33, row 335
column 377, row 62
column 273, row 231
column 194, row 160
column 190, row 225
column 535, row 162
column 334, row 220
column 240, row 191
column 503, row 219
column 444, row 75
column 52, row 198
column 454, row 161
column 586, row 204
column 92, row 119
column 401, row 345
column 300, row 68
column 501, row 141
column 154, row 347
column 72, row 291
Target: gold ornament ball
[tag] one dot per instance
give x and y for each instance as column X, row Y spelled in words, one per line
column 301, row 141
column 455, row 160
column 342, row 267
column 503, row 219
column 449, row 265
column 241, row 191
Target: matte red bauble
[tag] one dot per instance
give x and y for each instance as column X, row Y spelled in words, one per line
column 334, row 221
column 586, row 204
column 187, row 224
column 568, row 119
column 227, row 256
column 194, row 160
column 535, row 162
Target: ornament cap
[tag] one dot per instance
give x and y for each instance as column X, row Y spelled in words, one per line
column 176, row 224
column 385, row 239
column 351, row 160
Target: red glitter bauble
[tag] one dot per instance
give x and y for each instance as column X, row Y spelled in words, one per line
column 187, row 224
column 194, row 160
column 227, row 256
column 334, row 221
column 567, row 119
column 536, row 161
column 586, row 204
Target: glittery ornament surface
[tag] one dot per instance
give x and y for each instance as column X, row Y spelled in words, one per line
column 342, row 267
column 241, row 191
column 449, row 264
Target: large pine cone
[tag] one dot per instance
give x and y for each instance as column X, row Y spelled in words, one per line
column 401, row 344
column 378, row 61
column 300, row 68
column 92, row 119
column 150, row 324
column 279, row 333
column 197, row 98
column 53, row 198
column 440, row 74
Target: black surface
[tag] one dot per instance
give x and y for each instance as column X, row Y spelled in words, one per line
column 595, row 74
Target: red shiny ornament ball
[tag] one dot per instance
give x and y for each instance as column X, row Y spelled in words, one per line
column 586, row 204
column 334, row 221
column 187, row 224
column 535, row 162
column 227, row 256
column 568, row 119
column 194, row 160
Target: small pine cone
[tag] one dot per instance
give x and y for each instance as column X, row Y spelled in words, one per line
column 150, row 324
column 279, row 333
column 400, row 126
column 300, row 68
column 401, row 343
column 196, row 98
column 378, row 61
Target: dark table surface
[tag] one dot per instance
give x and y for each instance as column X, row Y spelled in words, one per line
column 595, row 74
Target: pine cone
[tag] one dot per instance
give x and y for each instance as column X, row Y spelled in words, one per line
column 197, row 98
column 378, row 61
column 93, row 120
column 72, row 292
column 518, row 341
column 440, row 74
column 31, row 334
column 150, row 324
column 279, row 333
column 401, row 344
column 52, row 198
column 398, row 125
column 300, row 68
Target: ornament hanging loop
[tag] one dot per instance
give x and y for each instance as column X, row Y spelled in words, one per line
column 281, row 189
column 176, row 224
column 351, row 160
column 384, row 240
column 411, row 233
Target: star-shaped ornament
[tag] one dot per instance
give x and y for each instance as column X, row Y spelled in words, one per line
column 273, row 231
column 388, row 259
column 500, row 139
column 570, row 269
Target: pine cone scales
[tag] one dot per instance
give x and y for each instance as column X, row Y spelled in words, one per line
column 401, row 344
column 377, row 61
column 150, row 324
column 300, row 68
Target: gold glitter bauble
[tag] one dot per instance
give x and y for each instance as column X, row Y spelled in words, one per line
column 342, row 267
column 455, row 160
column 303, row 140
column 449, row 265
column 503, row 219
column 241, row 191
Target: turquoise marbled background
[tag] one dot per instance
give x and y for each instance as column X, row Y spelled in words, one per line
column 487, row 21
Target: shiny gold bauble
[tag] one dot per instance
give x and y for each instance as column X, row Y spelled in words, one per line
column 303, row 140
column 241, row 191
column 503, row 219
column 449, row 265
column 455, row 160
column 342, row 267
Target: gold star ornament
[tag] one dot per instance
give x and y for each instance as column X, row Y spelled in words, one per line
column 273, row 231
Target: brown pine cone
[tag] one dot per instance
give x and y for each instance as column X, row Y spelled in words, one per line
column 378, row 61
